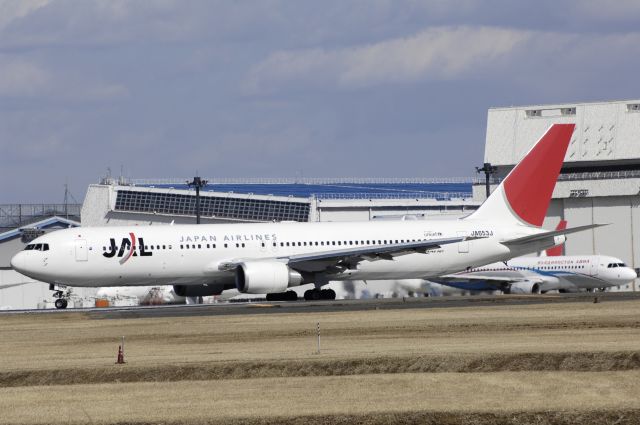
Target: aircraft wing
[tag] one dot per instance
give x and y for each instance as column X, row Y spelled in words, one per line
column 542, row 236
column 486, row 280
column 341, row 259
column 580, row 281
column 11, row 285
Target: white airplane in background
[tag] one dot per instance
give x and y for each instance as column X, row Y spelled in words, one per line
column 534, row 275
column 260, row 258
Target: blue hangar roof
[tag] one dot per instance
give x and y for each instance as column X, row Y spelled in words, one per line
column 333, row 189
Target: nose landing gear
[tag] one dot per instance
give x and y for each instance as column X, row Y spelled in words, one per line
column 61, row 294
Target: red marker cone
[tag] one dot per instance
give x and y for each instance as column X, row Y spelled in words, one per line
column 120, row 355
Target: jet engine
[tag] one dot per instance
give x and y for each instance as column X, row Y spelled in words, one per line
column 525, row 287
column 263, row 277
column 197, row 290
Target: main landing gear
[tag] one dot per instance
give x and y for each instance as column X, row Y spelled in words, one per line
column 283, row 296
column 319, row 294
column 310, row 295
column 61, row 294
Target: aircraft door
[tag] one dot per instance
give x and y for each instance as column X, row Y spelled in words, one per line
column 82, row 254
column 463, row 247
column 594, row 264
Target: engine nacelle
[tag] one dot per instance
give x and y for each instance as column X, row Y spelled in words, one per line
column 197, row 290
column 525, row 288
column 264, row 277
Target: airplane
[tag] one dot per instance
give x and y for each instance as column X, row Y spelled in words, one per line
column 550, row 271
column 259, row 258
column 534, row 275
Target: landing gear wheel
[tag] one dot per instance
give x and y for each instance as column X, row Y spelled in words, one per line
column 291, row 296
column 283, row 296
column 317, row 294
column 61, row 303
column 327, row 294
column 312, row 295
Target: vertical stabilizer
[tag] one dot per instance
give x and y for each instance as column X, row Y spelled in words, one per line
column 556, row 251
column 524, row 195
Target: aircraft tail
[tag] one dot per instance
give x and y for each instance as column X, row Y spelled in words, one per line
column 556, row 251
column 524, row 195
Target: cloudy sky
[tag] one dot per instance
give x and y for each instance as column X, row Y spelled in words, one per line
column 269, row 88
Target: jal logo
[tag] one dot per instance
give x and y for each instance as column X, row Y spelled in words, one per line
column 127, row 248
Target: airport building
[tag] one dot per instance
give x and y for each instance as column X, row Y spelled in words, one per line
column 600, row 180
column 144, row 202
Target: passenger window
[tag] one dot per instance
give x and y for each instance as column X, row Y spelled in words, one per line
column 199, row 246
column 181, row 246
column 186, row 246
column 243, row 244
column 225, row 245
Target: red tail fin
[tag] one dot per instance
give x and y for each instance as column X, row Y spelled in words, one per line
column 524, row 195
column 556, row 251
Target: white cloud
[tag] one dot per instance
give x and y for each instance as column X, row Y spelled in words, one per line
column 12, row 10
column 434, row 54
column 22, row 78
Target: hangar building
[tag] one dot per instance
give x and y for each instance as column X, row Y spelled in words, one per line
column 600, row 180
column 254, row 200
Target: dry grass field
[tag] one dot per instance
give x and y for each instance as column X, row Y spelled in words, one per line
column 544, row 363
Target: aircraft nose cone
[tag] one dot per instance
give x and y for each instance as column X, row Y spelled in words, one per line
column 17, row 262
column 631, row 274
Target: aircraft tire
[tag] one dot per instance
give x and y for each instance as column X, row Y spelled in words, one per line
column 291, row 296
column 61, row 303
column 312, row 295
column 328, row 294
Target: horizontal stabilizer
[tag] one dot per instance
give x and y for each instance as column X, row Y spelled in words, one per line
column 542, row 236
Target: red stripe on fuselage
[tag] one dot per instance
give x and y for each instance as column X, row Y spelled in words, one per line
column 529, row 186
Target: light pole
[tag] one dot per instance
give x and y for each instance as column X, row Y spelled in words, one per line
column 488, row 170
column 197, row 183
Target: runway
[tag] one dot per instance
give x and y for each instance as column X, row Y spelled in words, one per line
column 263, row 307
column 493, row 359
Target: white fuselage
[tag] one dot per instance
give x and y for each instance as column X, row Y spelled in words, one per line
column 192, row 254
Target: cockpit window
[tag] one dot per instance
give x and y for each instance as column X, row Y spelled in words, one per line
column 612, row 265
column 622, row 265
column 37, row 247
